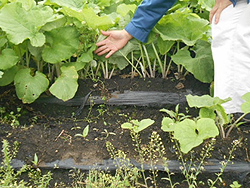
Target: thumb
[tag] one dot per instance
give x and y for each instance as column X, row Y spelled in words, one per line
column 105, row 33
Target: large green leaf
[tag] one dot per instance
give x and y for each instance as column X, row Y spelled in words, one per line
column 164, row 45
column 28, row 87
column 183, row 26
column 89, row 16
column 123, row 9
column 8, row 59
column 66, row 85
column 21, row 24
column 167, row 124
column 191, row 134
column 8, row 76
column 207, row 4
column 61, row 44
column 245, row 107
column 201, row 66
column 209, row 105
column 72, row 4
column 204, row 101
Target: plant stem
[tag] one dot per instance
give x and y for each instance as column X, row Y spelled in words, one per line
column 159, row 60
column 131, row 64
column 148, row 60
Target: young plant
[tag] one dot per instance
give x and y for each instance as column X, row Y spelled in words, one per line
column 137, row 126
column 85, row 132
column 211, row 107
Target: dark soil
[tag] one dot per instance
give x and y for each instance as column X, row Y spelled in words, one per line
column 49, row 129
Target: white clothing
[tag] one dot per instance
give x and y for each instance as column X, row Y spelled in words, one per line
column 231, row 54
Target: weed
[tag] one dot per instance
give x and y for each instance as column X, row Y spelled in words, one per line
column 11, row 118
column 10, row 176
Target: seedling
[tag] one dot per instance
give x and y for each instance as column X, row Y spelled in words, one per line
column 85, row 132
column 137, row 126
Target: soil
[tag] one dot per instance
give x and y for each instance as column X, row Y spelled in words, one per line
column 49, row 129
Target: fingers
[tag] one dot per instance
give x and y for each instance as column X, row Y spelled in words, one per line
column 217, row 10
column 212, row 13
column 217, row 16
column 111, row 52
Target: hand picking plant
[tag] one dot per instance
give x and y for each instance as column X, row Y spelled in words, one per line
column 48, row 45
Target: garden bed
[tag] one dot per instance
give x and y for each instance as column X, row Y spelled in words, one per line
column 48, row 126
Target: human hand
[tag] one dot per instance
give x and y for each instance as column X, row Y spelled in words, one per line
column 115, row 41
column 219, row 6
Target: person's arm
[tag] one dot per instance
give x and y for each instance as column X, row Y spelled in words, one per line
column 145, row 18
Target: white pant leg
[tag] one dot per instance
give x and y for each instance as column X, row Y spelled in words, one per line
column 231, row 54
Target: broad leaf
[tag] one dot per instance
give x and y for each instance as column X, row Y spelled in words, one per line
column 245, row 107
column 143, row 124
column 191, row 134
column 61, row 44
column 183, row 26
column 201, row 66
column 168, row 124
column 127, row 125
column 28, row 87
column 8, row 59
column 123, row 9
column 164, row 46
column 207, row 4
column 210, row 104
column 204, row 101
column 207, row 113
column 21, row 24
column 137, row 126
column 66, row 85
column 72, row 4
column 8, row 76
column 89, row 16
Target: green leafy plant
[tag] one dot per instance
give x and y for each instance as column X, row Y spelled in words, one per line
column 136, row 125
column 235, row 184
column 11, row 118
column 211, row 107
column 10, row 177
column 48, row 45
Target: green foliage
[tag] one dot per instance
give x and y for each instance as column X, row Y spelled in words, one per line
column 8, row 59
column 10, row 176
column 201, row 66
column 182, row 25
column 137, row 126
column 66, row 84
column 61, row 44
column 191, row 134
column 29, row 87
column 85, row 132
column 11, row 118
column 246, row 105
column 48, row 35
column 28, row 22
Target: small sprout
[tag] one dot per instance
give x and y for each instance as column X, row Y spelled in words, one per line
column 85, row 132
column 35, row 161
